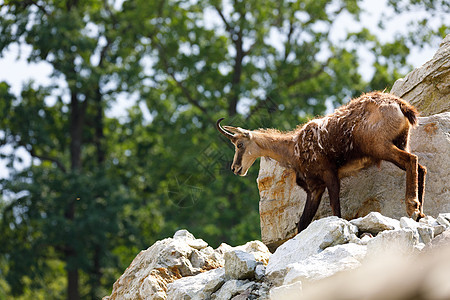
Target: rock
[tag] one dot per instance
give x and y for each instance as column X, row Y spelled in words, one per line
column 409, row 223
column 184, row 235
column 286, row 292
column 190, row 239
column 171, row 259
column 326, row 263
column 257, row 249
column 375, row 222
column 239, row 264
column 197, row 287
column 428, row 87
column 445, row 216
column 438, row 230
column 381, row 190
column 442, row 241
column 400, row 242
column 390, row 276
column 260, row 291
column 318, row 236
column 281, row 203
column 165, row 261
column 429, row 220
column 328, row 248
column 426, row 233
column 231, row 288
column 365, row 238
column 260, row 272
column 443, row 221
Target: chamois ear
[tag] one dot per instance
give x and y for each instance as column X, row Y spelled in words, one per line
column 238, row 130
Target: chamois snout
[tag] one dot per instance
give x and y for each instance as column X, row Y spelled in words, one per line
column 237, row 164
column 236, row 169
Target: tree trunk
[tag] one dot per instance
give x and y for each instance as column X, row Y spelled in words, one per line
column 237, row 73
column 100, row 147
column 99, row 127
column 73, row 292
column 76, row 129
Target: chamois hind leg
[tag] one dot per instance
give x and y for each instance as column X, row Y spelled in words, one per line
column 312, row 204
column 422, row 171
column 408, row 162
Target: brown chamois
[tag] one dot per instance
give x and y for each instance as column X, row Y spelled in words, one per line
column 367, row 130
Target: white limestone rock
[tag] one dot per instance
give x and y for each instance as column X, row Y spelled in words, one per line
column 260, row 272
column 443, row 221
column 326, row 263
column 375, row 222
column 257, row 249
column 197, row 287
column 232, row 288
column 429, row 220
column 165, row 261
column 239, row 264
column 318, row 236
column 438, row 230
column 445, row 216
column 424, row 231
column 286, row 292
column 423, row 275
column 402, row 242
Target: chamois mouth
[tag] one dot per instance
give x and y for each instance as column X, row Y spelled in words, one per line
column 238, row 172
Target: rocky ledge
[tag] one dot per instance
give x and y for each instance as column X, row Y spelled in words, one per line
column 383, row 250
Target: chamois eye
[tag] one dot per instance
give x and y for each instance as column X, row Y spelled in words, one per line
column 239, row 145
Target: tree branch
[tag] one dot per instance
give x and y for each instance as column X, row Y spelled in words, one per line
column 227, row 25
column 180, row 84
column 46, row 158
column 309, row 75
column 40, row 7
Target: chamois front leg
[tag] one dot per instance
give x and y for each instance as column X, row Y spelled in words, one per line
column 333, row 186
column 312, row 204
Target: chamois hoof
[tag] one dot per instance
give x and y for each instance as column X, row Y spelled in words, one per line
column 416, row 216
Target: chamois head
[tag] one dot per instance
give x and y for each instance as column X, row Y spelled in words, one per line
column 246, row 150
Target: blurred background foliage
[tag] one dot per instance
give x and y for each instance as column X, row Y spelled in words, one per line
column 98, row 188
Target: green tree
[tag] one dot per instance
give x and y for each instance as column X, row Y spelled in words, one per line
column 67, row 205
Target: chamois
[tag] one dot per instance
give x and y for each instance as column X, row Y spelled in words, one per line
column 367, row 130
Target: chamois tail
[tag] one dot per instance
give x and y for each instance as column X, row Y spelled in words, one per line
column 409, row 112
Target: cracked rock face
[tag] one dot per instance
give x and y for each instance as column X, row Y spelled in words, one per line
column 428, row 87
column 186, row 267
column 164, row 262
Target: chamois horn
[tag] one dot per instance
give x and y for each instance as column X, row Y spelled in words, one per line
column 223, row 131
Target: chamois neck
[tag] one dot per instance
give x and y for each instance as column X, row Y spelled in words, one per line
column 276, row 145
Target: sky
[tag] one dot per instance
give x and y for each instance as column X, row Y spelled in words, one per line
column 15, row 70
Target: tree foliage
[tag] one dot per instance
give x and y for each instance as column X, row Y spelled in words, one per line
column 100, row 188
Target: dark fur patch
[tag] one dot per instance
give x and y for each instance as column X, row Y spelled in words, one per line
column 401, row 141
column 410, row 112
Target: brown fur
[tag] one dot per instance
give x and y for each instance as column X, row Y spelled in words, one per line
column 369, row 129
